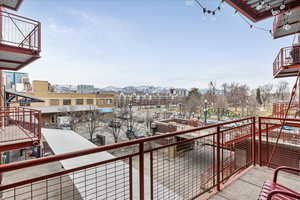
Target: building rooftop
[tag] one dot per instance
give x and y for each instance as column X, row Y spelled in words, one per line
column 59, row 109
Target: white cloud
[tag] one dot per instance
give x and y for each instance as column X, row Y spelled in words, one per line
column 58, row 28
column 189, row 2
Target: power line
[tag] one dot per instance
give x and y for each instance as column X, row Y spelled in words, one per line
column 205, row 11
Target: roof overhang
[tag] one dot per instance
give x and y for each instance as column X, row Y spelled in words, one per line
column 11, row 4
column 14, row 97
column 249, row 8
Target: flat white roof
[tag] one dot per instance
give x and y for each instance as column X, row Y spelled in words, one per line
column 66, row 141
column 61, row 109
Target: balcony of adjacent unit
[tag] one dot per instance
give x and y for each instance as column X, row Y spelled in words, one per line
column 287, row 62
column 19, row 128
column 20, row 41
column 221, row 161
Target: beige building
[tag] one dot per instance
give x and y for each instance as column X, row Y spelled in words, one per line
column 57, row 103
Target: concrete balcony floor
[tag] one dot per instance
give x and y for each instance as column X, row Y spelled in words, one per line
column 248, row 185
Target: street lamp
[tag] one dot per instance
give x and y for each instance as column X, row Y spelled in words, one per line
column 205, row 111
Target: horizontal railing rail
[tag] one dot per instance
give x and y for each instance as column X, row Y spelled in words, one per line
column 20, row 31
column 172, row 170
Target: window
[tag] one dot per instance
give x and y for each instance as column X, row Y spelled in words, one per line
column 79, row 101
column 100, row 102
column 67, row 102
column 54, row 102
column 90, row 101
column 109, row 101
column 52, row 119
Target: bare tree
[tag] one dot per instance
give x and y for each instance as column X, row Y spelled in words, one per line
column 212, row 92
column 220, row 105
column 265, row 92
column 115, row 126
column 282, row 90
column 243, row 94
column 73, row 116
column 92, row 117
column 252, row 104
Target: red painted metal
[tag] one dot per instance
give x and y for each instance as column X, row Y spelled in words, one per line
column 20, row 127
column 141, row 170
column 287, row 58
column 254, row 142
column 20, row 35
column 251, row 12
column 293, row 93
column 273, row 190
column 166, row 163
column 218, row 159
column 259, row 141
column 279, row 109
column 279, row 146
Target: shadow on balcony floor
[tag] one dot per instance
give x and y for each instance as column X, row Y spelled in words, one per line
column 248, row 186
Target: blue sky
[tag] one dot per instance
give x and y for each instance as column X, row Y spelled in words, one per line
column 153, row 42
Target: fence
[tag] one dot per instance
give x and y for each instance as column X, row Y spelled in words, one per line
column 143, row 169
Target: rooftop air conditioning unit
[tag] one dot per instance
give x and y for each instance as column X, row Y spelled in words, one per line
column 100, row 139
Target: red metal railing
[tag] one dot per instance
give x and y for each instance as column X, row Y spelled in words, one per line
column 285, row 152
column 147, row 169
column 19, row 124
column 279, row 109
column 286, row 57
column 20, row 31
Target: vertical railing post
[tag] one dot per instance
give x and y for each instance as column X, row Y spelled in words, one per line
column 130, row 179
column 253, row 141
column 30, row 120
column 151, row 176
column 281, row 58
column 141, row 170
column 218, row 158
column 267, row 141
column 39, row 37
column 259, row 142
column 1, row 26
column 39, row 121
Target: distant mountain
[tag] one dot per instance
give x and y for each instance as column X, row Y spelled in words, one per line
column 128, row 89
column 138, row 89
column 111, row 89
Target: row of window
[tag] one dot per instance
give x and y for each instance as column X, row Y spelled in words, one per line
column 56, row 102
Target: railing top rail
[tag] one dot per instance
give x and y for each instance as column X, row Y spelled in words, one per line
column 21, row 17
column 278, row 118
column 44, row 160
column 17, row 109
